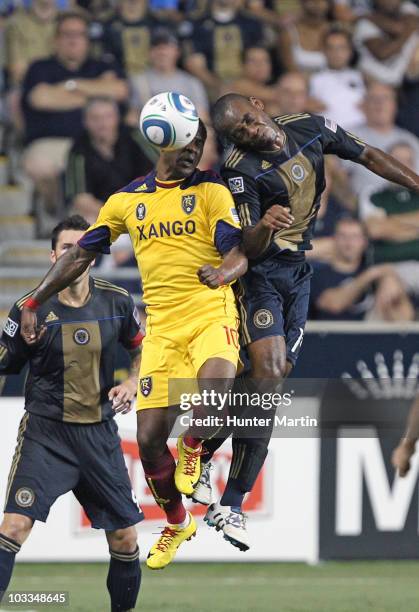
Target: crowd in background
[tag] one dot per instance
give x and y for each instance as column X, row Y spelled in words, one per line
column 74, row 78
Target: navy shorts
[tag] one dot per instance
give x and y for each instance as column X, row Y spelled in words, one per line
column 273, row 301
column 52, row 458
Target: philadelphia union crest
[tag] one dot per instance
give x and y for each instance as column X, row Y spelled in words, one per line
column 188, row 203
column 81, row 336
column 140, row 212
column 146, row 385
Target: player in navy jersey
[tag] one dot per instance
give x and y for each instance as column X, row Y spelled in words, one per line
column 68, row 440
column 275, row 171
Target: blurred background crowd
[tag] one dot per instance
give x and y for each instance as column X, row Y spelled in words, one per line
column 74, row 76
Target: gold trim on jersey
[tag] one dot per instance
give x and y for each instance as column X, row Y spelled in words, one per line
column 17, row 454
column 3, row 352
column 233, row 159
column 242, row 311
column 356, row 138
column 23, row 299
column 244, row 214
column 82, row 348
column 284, row 119
column 299, row 179
column 99, row 283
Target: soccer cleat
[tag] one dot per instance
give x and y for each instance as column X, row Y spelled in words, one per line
column 233, row 525
column 164, row 550
column 188, row 468
column 203, row 490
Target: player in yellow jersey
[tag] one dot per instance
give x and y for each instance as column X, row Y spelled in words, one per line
column 186, row 237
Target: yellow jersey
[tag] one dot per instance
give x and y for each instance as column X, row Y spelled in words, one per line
column 175, row 228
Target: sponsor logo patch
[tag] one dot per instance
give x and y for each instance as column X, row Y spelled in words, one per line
column 24, row 497
column 266, row 165
column 146, row 385
column 140, row 212
column 81, row 336
column 51, row 316
column 263, row 318
column 236, row 184
column 331, row 125
column 298, row 172
column 11, row 327
column 188, row 203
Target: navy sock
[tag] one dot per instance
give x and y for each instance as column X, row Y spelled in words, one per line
column 233, row 495
column 124, row 580
column 8, row 550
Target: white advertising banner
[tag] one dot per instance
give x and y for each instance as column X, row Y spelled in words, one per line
column 282, row 509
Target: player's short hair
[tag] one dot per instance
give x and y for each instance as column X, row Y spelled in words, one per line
column 220, row 109
column 202, row 129
column 75, row 222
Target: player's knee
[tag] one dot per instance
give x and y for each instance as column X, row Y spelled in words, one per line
column 272, row 367
column 150, row 445
column 123, row 540
column 16, row 527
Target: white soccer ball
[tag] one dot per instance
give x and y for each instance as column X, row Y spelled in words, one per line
column 169, row 120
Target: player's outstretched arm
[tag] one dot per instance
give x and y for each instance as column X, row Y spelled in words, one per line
column 67, row 268
column 388, row 167
column 234, row 265
column 258, row 238
column 406, row 447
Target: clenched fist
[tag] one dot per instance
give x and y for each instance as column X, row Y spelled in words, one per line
column 277, row 217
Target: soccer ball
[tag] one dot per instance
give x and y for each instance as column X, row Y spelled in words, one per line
column 169, row 120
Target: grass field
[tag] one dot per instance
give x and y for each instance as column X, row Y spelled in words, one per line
column 245, row 587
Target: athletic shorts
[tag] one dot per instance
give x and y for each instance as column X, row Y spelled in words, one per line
column 52, row 458
column 175, row 349
column 273, row 300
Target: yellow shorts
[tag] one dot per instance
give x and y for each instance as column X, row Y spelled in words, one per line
column 172, row 358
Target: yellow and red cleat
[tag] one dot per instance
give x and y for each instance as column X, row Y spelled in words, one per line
column 188, row 468
column 164, row 550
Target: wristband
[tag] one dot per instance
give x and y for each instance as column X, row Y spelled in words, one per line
column 31, row 303
column 221, row 279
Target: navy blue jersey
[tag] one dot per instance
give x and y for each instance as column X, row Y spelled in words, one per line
column 292, row 177
column 71, row 369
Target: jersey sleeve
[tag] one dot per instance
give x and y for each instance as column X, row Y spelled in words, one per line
column 223, row 219
column 337, row 141
column 14, row 352
column 131, row 334
column 246, row 196
column 108, row 227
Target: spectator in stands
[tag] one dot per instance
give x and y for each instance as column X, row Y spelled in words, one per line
column 386, row 40
column 55, row 91
column 408, row 117
column 29, row 36
column 292, row 93
column 380, row 107
column 301, row 42
column 127, row 35
column 345, row 289
column 256, row 79
column 218, row 42
column 339, row 88
column 103, row 159
column 164, row 75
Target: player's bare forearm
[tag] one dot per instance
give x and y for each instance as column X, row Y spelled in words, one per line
column 257, row 239
column 406, row 447
column 122, row 395
column 234, row 265
column 389, row 168
column 67, row 268
column 135, row 357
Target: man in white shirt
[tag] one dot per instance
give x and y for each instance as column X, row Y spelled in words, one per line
column 339, row 88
